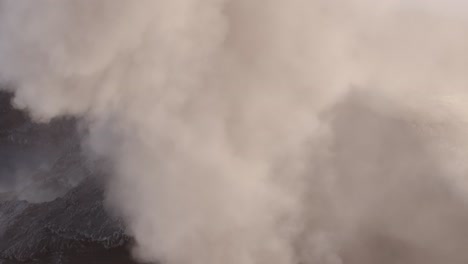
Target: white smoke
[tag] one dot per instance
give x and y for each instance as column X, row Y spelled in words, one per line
column 211, row 112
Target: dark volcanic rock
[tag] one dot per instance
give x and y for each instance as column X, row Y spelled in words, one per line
column 74, row 223
column 51, row 204
column 38, row 162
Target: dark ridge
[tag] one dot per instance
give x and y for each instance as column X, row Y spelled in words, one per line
column 51, row 202
column 75, row 223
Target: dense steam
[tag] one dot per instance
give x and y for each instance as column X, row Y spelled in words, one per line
column 219, row 120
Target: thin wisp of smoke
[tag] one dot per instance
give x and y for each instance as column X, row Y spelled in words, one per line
column 253, row 132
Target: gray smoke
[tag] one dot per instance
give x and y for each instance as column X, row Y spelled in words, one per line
column 253, row 132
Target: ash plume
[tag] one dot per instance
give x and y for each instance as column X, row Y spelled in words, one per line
column 253, row 132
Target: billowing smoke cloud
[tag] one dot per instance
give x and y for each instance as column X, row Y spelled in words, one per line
column 218, row 121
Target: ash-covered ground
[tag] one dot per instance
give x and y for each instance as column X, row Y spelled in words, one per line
column 51, row 203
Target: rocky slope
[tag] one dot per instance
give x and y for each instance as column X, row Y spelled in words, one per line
column 74, row 223
column 51, row 205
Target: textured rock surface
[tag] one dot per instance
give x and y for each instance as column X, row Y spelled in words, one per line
column 38, row 162
column 51, row 205
column 74, row 223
